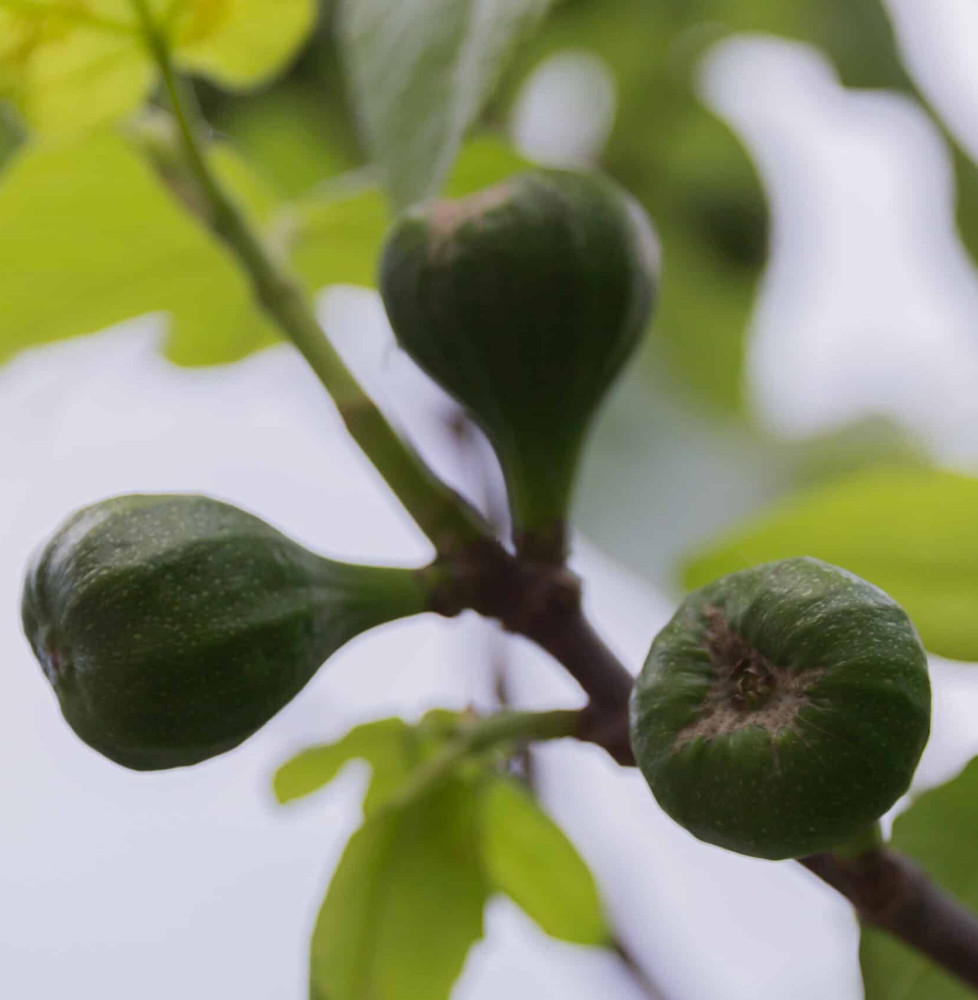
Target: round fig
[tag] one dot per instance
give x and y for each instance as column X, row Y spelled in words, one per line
column 173, row 627
column 524, row 302
column 782, row 710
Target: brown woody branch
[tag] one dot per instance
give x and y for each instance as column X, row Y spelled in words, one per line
column 538, row 600
column 543, row 603
column 892, row 893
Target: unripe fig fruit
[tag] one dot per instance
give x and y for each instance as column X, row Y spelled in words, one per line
column 524, row 302
column 782, row 710
column 173, row 627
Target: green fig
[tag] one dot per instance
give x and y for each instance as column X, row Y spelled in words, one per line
column 524, row 302
column 173, row 627
column 782, row 710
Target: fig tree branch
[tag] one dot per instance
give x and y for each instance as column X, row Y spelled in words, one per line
column 538, row 601
column 887, row 889
column 448, row 520
column 892, row 893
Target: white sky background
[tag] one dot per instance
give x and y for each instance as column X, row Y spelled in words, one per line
column 116, row 885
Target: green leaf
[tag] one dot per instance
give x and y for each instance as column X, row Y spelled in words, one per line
column 69, row 66
column 912, row 532
column 938, row 832
column 336, row 236
column 73, row 64
column 91, row 237
column 387, row 745
column 528, row 857
column 241, row 43
column 420, row 72
column 296, row 134
column 484, row 160
column 405, row 904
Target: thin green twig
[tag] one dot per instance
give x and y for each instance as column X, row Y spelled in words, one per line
column 478, row 736
column 449, row 522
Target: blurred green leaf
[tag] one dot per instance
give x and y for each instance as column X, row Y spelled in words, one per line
column 91, row 238
column 709, row 209
column 528, row 857
column 938, row 832
column 387, row 745
column 483, row 161
column 712, row 219
column 912, row 532
column 240, row 43
column 73, row 64
column 420, row 72
column 405, row 904
column 70, row 66
column 259, row 199
column 336, row 236
column 292, row 133
column 686, row 167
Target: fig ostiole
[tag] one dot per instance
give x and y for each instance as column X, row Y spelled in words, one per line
column 782, row 710
column 174, row 627
column 524, row 302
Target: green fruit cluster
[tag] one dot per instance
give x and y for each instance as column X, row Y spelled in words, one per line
column 173, row 627
column 524, row 302
column 782, row 710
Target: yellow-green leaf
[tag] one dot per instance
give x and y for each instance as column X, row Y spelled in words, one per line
column 528, row 857
column 70, row 65
column 336, row 236
column 241, row 43
column 91, row 237
column 386, row 745
column 405, row 904
column 913, row 532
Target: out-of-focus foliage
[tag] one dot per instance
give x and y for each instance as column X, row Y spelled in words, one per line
column 71, row 64
column 690, row 171
column 938, row 832
column 406, row 902
column 909, row 531
column 387, row 745
column 297, row 139
column 89, row 218
column 417, row 88
column 92, row 237
column 335, row 235
column 529, row 858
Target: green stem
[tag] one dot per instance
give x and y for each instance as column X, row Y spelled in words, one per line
column 869, row 838
column 448, row 521
column 478, row 736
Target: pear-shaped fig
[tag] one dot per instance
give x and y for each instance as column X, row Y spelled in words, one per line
column 173, row 627
column 782, row 710
column 524, row 302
